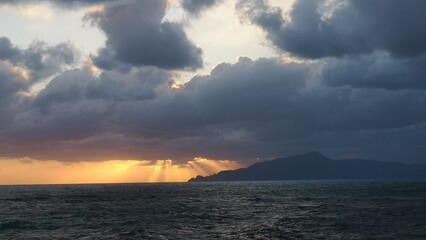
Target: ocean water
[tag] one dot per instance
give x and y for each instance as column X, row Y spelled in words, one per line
column 235, row 210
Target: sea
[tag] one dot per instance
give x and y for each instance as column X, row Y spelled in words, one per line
column 228, row 210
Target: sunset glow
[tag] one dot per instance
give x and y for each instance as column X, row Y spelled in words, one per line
column 97, row 91
column 27, row 171
column 212, row 119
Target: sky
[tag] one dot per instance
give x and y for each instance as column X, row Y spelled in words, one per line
column 156, row 90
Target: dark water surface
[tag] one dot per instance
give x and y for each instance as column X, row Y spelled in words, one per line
column 248, row 210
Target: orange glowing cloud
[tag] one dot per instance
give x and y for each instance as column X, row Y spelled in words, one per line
column 28, row 171
column 98, row 8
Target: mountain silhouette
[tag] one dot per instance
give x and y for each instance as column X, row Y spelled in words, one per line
column 315, row 166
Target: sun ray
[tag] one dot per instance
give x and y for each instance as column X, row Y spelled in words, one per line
column 30, row 171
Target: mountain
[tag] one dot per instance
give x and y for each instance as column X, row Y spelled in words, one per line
column 314, row 166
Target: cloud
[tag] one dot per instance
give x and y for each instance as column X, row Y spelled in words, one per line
column 13, row 80
column 84, row 103
column 317, row 29
column 7, row 50
column 59, row 3
column 39, row 60
column 29, row 171
column 243, row 111
column 20, row 69
column 377, row 70
column 372, row 44
column 43, row 60
column 138, row 36
column 362, row 96
column 195, row 7
column 266, row 91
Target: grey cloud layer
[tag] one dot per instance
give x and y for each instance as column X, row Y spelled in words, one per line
column 364, row 96
column 20, row 69
column 38, row 61
column 138, row 36
column 320, row 28
column 11, row 82
column 240, row 111
column 378, row 70
column 368, row 44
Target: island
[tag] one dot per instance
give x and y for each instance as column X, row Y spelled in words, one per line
column 315, row 166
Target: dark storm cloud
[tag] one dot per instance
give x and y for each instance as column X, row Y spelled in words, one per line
column 86, row 104
column 20, row 69
column 375, row 44
column 230, row 94
column 75, row 116
column 195, row 7
column 266, row 91
column 7, row 50
column 378, row 70
column 106, row 60
column 11, row 80
column 364, row 97
column 39, row 59
column 43, row 60
column 137, row 35
column 335, row 28
column 250, row 109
